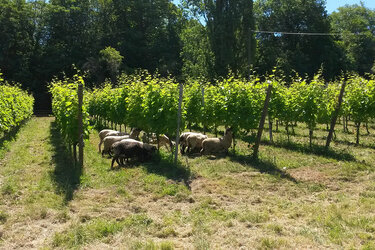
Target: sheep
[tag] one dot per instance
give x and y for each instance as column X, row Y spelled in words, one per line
column 217, row 145
column 194, row 142
column 109, row 140
column 183, row 140
column 129, row 148
column 163, row 141
column 108, row 132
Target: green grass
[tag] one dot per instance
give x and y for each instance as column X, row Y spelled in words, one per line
column 293, row 196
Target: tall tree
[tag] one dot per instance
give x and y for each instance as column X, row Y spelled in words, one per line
column 16, row 39
column 229, row 27
column 197, row 56
column 356, row 23
column 303, row 53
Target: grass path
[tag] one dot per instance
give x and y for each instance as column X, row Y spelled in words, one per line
column 291, row 198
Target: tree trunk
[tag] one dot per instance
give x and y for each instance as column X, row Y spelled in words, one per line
column 346, row 124
column 270, row 129
column 310, row 136
column 277, row 125
column 358, row 125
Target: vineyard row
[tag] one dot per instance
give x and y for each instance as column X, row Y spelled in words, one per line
column 150, row 103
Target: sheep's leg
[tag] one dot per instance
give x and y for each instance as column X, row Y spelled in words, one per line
column 182, row 149
column 202, row 151
column 113, row 161
column 119, row 160
column 100, row 144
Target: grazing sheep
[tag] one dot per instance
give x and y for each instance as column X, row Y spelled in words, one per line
column 108, row 132
column 217, row 145
column 163, row 141
column 129, row 148
column 109, row 140
column 183, row 140
column 194, row 142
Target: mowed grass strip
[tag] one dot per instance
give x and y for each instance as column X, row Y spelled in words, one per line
column 294, row 196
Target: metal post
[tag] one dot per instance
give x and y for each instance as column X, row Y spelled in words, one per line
column 178, row 124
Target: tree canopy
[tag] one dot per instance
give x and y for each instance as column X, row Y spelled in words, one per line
column 197, row 38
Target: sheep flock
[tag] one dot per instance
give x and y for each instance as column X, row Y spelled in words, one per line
column 122, row 146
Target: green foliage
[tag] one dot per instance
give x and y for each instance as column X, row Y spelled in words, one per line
column 142, row 101
column 111, row 59
column 65, row 107
column 193, row 102
column 150, row 102
column 196, row 54
column 304, row 54
column 16, row 106
column 357, row 25
column 359, row 101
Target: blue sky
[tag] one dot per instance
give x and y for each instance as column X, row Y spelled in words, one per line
column 332, row 5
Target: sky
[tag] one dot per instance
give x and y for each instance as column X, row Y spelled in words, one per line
column 332, row 5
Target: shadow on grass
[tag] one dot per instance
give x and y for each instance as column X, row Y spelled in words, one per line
column 261, row 165
column 10, row 136
column 164, row 165
column 315, row 150
column 66, row 175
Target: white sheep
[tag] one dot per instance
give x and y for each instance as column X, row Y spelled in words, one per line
column 217, row 145
column 183, row 140
column 109, row 140
column 103, row 133
column 194, row 142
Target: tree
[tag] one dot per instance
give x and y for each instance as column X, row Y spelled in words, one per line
column 356, row 23
column 197, row 56
column 111, row 60
column 305, row 54
column 229, row 25
column 16, row 43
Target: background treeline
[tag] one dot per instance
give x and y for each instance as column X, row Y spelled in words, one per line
column 198, row 38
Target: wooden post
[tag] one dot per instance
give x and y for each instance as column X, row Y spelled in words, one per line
column 80, row 126
column 261, row 123
column 178, row 124
column 335, row 115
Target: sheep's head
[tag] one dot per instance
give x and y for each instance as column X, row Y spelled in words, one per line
column 229, row 130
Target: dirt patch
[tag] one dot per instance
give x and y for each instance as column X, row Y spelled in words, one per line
column 309, row 174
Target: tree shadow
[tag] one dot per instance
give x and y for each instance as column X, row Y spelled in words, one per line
column 314, row 150
column 66, row 174
column 264, row 166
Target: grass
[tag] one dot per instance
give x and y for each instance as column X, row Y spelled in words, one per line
column 293, row 196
